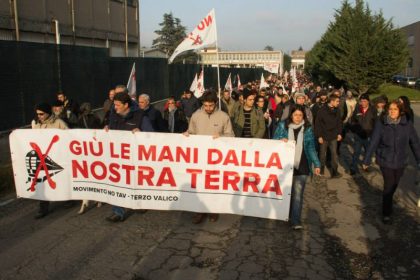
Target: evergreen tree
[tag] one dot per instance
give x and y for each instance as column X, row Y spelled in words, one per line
column 170, row 35
column 287, row 62
column 359, row 49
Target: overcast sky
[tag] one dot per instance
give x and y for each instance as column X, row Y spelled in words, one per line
column 252, row 25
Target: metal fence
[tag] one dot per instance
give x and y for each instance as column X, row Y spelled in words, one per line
column 31, row 73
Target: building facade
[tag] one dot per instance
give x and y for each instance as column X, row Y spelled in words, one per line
column 112, row 24
column 242, row 59
column 298, row 59
column 412, row 32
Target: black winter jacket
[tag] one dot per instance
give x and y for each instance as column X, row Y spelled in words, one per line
column 391, row 142
column 328, row 123
column 363, row 124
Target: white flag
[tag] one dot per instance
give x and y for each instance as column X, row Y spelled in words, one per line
column 228, row 84
column 193, row 86
column 200, row 85
column 204, row 35
column 272, row 67
column 263, row 83
column 239, row 83
column 131, row 84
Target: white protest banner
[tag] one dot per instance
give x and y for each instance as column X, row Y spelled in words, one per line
column 272, row 67
column 204, row 35
column 144, row 170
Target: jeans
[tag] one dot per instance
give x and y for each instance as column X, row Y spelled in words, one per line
column 298, row 186
column 120, row 211
column 332, row 146
column 391, row 179
column 358, row 144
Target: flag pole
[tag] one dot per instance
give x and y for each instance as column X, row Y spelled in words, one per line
column 218, row 69
column 131, row 74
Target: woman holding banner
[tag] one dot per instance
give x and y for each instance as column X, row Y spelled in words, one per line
column 297, row 128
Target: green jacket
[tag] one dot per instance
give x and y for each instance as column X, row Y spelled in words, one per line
column 257, row 122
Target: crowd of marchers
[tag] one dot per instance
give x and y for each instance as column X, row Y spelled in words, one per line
column 317, row 120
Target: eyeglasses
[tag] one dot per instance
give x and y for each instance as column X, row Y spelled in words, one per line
column 40, row 114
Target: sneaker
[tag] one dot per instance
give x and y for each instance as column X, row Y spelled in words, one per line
column 213, row 217
column 198, row 218
column 336, row 175
column 114, row 218
column 41, row 215
column 297, row 227
column 387, row 220
column 68, row 204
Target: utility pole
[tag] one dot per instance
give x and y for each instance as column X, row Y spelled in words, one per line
column 126, row 28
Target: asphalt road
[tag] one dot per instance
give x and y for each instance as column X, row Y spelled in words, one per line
column 343, row 238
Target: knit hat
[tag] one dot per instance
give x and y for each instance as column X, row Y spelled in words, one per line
column 298, row 94
column 43, row 107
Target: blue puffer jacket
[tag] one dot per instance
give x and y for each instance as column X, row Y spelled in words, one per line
column 391, row 142
column 308, row 143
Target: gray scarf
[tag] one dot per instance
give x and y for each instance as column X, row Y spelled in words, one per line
column 171, row 120
column 391, row 121
column 299, row 142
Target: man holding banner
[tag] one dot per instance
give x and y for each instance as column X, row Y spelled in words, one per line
column 213, row 122
column 131, row 118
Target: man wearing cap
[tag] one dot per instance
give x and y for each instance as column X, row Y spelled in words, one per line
column 361, row 124
column 45, row 119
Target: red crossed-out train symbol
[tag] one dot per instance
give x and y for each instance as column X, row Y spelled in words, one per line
column 196, row 40
column 36, row 161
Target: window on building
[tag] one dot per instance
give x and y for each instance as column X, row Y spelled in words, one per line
column 410, row 63
column 411, row 40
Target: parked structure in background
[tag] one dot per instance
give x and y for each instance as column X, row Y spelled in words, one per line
column 112, row 24
column 298, row 59
column 412, row 32
column 242, row 59
column 146, row 52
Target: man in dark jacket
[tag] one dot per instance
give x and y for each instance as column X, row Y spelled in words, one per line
column 323, row 98
column 328, row 128
column 362, row 123
column 131, row 118
column 154, row 115
column 189, row 103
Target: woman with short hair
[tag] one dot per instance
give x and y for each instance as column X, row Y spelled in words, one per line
column 391, row 137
